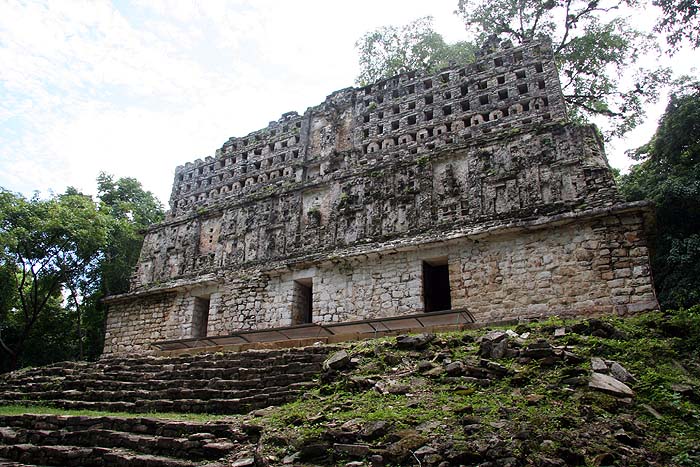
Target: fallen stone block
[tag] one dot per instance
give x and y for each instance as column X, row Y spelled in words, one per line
column 610, row 385
column 337, row 361
column 414, row 342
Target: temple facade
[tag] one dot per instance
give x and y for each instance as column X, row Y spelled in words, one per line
column 464, row 189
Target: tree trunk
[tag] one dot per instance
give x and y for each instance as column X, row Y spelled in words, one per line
column 78, row 320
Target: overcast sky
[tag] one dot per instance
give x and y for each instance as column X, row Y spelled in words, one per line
column 135, row 88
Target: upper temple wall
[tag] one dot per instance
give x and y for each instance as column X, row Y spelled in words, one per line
column 410, row 157
column 505, row 88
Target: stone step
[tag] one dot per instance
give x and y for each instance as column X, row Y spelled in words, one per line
column 260, row 399
column 262, row 357
column 44, row 439
column 9, row 463
column 237, row 373
column 117, row 390
column 172, row 393
column 117, row 385
column 139, row 425
column 209, row 383
column 203, row 365
column 128, row 407
column 200, row 446
column 74, row 456
column 140, row 365
column 135, row 361
column 203, row 373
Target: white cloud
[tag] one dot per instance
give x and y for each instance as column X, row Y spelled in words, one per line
column 138, row 88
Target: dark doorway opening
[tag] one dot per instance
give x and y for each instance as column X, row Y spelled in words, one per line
column 200, row 317
column 436, row 285
column 302, row 307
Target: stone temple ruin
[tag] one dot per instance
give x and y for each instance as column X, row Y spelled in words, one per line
column 466, row 189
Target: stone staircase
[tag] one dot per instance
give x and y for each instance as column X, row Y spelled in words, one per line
column 54, row 440
column 215, row 383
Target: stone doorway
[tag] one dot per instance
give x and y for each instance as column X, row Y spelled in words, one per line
column 302, row 301
column 200, row 316
column 436, row 285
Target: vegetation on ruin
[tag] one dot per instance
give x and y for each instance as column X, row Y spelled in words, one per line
column 59, row 257
column 391, row 50
column 408, row 405
column 541, row 413
column 595, row 45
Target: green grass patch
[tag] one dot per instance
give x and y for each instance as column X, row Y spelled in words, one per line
column 19, row 409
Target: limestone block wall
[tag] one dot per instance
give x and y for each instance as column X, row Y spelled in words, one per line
column 591, row 266
column 135, row 323
column 595, row 267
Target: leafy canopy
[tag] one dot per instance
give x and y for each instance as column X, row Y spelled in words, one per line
column 46, row 245
column 680, row 22
column 669, row 175
column 58, row 258
column 594, row 45
column 132, row 209
column 391, row 50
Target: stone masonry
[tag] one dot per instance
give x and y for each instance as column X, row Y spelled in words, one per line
column 465, row 189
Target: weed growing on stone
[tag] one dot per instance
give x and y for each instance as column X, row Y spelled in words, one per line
column 538, row 410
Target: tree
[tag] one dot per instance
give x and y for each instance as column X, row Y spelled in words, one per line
column 132, row 210
column 593, row 48
column 679, row 21
column 46, row 245
column 58, row 258
column 669, row 175
column 390, row 50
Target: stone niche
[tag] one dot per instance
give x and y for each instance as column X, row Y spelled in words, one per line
column 464, row 189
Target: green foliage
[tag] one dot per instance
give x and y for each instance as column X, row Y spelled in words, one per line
column 685, row 324
column 669, row 175
column 391, row 50
column 592, row 46
column 59, row 257
column 132, row 209
column 49, row 244
column 679, row 21
column 41, row 409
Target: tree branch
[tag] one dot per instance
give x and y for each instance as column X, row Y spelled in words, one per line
column 567, row 27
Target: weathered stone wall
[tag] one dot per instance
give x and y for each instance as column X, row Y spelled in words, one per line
column 475, row 168
column 407, row 114
column 587, row 265
column 548, row 170
column 136, row 322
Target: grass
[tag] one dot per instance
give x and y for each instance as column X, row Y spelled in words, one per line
column 19, row 409
column 570, row 418
column 530, row 412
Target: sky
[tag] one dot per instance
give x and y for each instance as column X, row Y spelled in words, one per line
column 135, row 88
